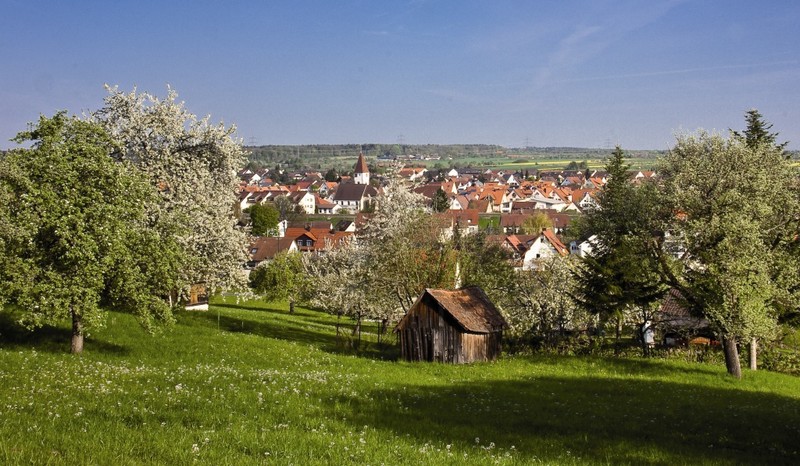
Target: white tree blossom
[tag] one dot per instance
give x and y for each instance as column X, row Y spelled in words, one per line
column 542, row 304
column 193, row 163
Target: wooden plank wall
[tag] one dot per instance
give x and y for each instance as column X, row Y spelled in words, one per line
column 428, row 336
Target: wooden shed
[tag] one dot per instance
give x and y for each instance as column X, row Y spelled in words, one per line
column 456, row 326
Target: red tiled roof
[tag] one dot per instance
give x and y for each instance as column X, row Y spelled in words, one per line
column 361, row 165
column 267, row 247
column 323, row 203
column 553, row 239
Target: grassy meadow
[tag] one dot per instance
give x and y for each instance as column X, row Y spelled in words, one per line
column 251, row 384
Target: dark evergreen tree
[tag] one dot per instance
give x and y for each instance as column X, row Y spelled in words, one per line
column 757, row 131
column 331, row 175
column 440, row 201
column 619, row 275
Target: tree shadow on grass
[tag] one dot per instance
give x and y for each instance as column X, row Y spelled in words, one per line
column 628, row 365
column 300, row 329
column 49, row 338
column 251, row 306
column 588, row 420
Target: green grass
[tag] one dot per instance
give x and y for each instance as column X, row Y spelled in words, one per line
column 251, row 384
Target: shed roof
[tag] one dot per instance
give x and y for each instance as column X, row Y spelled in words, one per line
column 469, row 307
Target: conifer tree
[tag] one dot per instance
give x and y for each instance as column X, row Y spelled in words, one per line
column 620, row 274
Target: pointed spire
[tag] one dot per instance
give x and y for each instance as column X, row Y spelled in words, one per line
column 361, row 164
column 361, row 171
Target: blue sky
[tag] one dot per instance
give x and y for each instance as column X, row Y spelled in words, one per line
column 549, row 73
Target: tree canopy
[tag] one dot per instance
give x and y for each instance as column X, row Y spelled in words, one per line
column 77, row 235
column 283, row 277
column 735, row 213
column 193, row 164
column 263, row 219
column 440, row 201
column 757, row 131
column 620, row 273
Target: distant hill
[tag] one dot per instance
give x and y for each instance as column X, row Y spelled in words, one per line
column 342, row 156
column 323, row 156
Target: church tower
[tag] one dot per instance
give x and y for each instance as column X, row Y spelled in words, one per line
column 361, row 171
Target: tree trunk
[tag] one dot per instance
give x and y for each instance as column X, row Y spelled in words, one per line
column 291, row 305
column 382, row 330
column 732, row 356
column 753, row 354
column 357, row 332
column 77, row 333
column 643, row 340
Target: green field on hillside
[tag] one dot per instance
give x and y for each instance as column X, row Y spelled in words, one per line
column 522, row 164
column 251, row 384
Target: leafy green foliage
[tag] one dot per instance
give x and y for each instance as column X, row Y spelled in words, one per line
column 331, row 175
column 281, row 278
column 739, row 208
column 620, row 273
column 440, row 201
column 288, row 210
column 487, row 266
column 77, row 236
column 263, row 219
column 543, row 310
column 573, row 165
column 535, row 223
column 757, row 131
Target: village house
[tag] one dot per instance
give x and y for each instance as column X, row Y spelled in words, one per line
column 528, row 250
column 583, row 248
column 466, row 221
column 248, row 177
column 513, row 223
column 313, row 238
column 265, row 248
column 584, row 199
column 544, row 246
column 498, row 196
column 354, row 196
column 459, row 202
column 413, row 174
column 325, row 206
column 305, row 200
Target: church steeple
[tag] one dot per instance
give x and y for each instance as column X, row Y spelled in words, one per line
column 361, row 171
